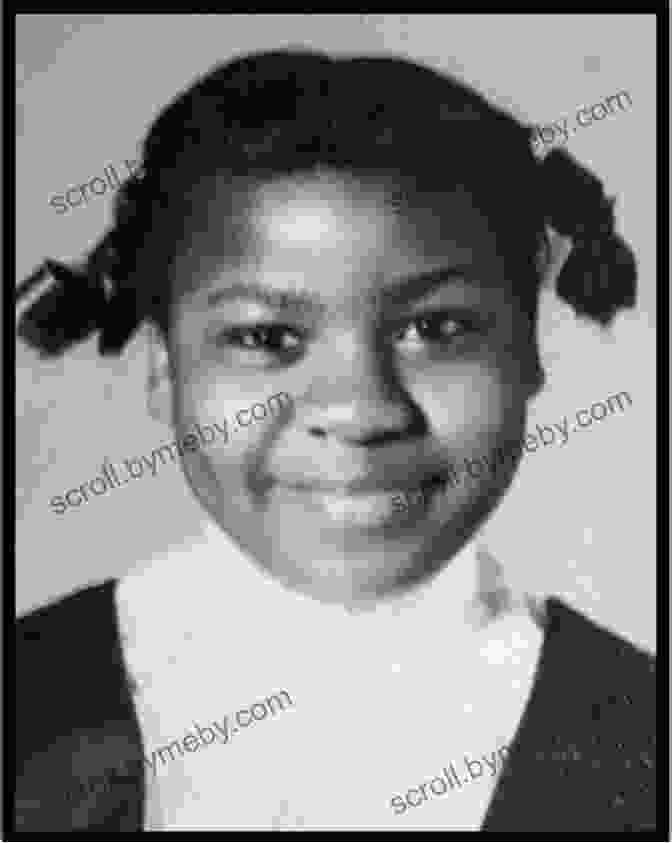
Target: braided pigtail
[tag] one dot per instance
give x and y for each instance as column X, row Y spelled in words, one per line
column 69, row 310
column 599, row 277
column 95, row 295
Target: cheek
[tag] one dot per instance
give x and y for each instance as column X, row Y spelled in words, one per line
column 241, row 418
column 466, row 405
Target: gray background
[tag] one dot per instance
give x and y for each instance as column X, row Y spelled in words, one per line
column 580, row 519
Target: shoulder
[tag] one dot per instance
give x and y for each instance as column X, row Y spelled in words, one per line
column 67, row 638
column 586, row 745
column 599, row 693
column 74, row 711
column 68, row 652
column 57, row 617
column 597, row 655
column 605, row 682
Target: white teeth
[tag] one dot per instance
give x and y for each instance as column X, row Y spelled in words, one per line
column 366, row 511
column 369, row 509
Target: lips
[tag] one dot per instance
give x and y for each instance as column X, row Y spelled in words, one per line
column 355, row 507
column 362, row 508
column 397, row 482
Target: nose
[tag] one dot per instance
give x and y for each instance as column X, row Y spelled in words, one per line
column 359, row 400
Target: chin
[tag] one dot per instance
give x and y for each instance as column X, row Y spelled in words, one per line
column 311, row 548
column 342, row 580
column 351, row 567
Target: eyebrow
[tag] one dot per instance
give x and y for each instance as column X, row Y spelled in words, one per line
column 399, row 291
column 408, row 288
column 271, row 297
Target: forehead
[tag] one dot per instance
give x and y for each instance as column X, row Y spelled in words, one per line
column 330, row 225
column 319, row 213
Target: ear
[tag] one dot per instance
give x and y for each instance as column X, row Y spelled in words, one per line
column 531, row 375
column 536, row 379
column 552, row 256
column 549, row 261
column 159, row 380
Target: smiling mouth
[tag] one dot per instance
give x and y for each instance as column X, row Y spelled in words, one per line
column 371, row 510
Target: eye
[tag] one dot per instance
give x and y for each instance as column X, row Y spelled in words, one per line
column 274, row 339
column 440, row 328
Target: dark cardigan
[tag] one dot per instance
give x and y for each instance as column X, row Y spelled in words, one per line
column 583, row 758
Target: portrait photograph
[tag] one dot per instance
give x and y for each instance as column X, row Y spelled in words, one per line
column 336, row 412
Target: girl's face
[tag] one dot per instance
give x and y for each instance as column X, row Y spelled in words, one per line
column 386, row 316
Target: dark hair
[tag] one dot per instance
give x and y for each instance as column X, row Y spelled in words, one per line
column 278, row 112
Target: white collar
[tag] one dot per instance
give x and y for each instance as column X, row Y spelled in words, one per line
column 206, row 630
column 208, row 585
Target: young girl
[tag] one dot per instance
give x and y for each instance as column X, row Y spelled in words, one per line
column 369, row 237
